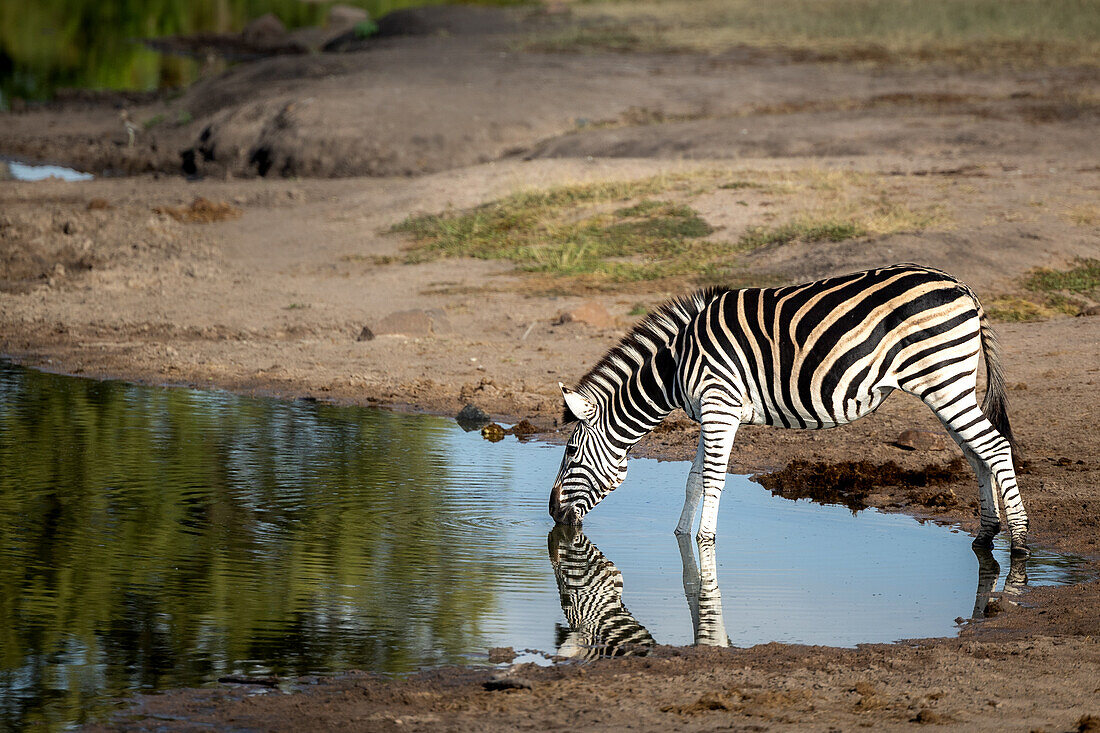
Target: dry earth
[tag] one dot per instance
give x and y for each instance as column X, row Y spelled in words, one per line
column 102, row 279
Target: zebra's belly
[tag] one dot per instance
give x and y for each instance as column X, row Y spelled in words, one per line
column 852, row 408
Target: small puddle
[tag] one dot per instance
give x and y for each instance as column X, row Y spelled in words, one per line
column 39, row 172
column 153, row 538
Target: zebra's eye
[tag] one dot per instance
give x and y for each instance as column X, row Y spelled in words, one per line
column 570, row 451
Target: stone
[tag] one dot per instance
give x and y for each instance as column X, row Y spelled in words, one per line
column 590, row 312
column 414, row 323
column 507, row 682
column 502, row 655
column 365, row 335
column 265, row 30
column 921, row 440
column 344, row 17
column 471, row 417
column 1090, row 311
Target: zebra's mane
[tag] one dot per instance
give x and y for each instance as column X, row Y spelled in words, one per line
column 648, row 336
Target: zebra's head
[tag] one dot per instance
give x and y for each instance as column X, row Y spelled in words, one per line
column 593, row 465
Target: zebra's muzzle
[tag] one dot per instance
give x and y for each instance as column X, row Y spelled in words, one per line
column 563, row 514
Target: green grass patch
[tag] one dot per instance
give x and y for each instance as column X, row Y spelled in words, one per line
column 1081, row 279
column 803, row 230
column 647, row 229
column 571, row 231
column 1052, row 293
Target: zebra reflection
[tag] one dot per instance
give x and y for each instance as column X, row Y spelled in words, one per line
column 704, row 597
column 988, row 572
column 591, row 589
column 591, row 593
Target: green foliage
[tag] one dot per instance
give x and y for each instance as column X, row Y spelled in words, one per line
column 88, row 44
column 153, row 121
column 365, row 28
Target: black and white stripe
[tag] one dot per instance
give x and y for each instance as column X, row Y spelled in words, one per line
column 815, row 355
column 591, row 591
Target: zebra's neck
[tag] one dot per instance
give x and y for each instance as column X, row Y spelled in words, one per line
column 637, row 401
column 635, row 383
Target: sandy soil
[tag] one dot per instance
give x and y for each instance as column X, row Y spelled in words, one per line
column 99, row 278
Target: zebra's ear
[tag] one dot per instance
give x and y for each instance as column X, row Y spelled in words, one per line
column 582, row 408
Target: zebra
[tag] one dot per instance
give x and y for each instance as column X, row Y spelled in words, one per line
column 591, row 593
column 807, row 356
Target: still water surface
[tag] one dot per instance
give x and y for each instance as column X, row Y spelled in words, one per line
column 154, row 538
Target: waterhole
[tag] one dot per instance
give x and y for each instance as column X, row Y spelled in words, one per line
column 154, row 538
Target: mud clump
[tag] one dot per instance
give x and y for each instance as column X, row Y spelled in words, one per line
column 201, row 211
column 522, row 429
column 848, row 483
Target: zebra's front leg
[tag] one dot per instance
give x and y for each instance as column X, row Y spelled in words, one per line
column 693, row 493
column 720, row 417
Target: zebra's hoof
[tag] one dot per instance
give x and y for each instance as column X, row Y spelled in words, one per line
column 1020, row 549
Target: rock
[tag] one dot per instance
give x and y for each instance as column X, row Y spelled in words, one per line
column 921, row 440
column 507, row 682
column 471, row 417
column 1090, row 311
column 414, row 323
column 589, row 312
column 365, row 335
column 265, row 30
column 343, row 17
column 492, row 433
column 502, row 654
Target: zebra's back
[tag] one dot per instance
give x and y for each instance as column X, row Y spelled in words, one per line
column 825, row 353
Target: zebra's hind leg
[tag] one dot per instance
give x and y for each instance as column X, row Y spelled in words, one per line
column 693, row 493
column 991, row 456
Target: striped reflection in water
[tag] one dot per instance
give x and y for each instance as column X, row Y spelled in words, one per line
column 600, row 625
column 591, row 592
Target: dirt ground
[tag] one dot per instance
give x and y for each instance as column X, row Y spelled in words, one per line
column 267, row 289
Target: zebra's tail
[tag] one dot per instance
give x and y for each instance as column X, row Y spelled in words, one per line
column 995, row 402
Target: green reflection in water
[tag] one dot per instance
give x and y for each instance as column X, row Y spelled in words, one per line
column 152, row 538
column 47, row 45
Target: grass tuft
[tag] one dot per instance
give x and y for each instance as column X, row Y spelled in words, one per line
column 1082, row 279
column 803, row 230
